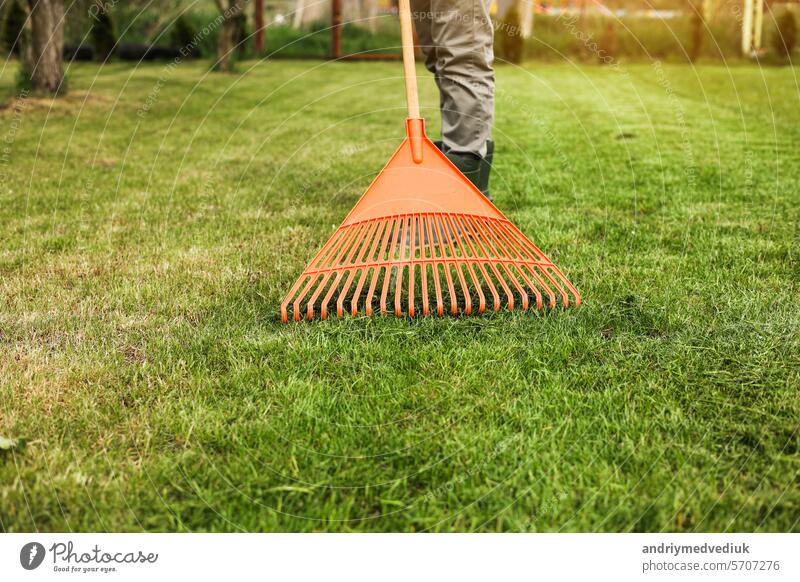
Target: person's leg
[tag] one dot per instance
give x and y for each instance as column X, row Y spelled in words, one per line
column 422, row 14
column 462, row 34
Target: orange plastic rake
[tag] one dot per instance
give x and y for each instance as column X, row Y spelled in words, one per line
column 423, row 230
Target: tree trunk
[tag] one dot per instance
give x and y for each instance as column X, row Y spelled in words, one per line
column 259, row 21
column 227, row 34
column 44, row 60
column 698, row 30
column 336, row 29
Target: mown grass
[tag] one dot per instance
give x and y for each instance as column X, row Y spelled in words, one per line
column 143, row 257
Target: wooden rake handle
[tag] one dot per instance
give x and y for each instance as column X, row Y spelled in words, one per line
column 409, row 70
column 415, row 126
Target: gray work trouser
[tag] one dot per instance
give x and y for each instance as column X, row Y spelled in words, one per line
column 456, row 38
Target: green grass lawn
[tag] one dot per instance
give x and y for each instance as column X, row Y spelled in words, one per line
column 151, row 221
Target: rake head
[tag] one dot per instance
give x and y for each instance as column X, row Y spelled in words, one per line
column 423, row 233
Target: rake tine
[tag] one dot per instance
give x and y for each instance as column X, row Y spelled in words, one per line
column 399, row 269
column 313, row 299
column 493, row 266
column 423, row 268
column 398, row 287
column 412, row 244
column 435, row 270
column 362, row 244
column 550, row 295
column 564, row 280
column 376, row 236
column 504, row 248
column 343, row 293
column 387, row 277
column 328, row 295
column 533, row 287
column 354, row 246
column 523, row 294
column 505, row 286
column 481, row 298
column 543, row 268
column 323, row 259
column 517, row 264
column 501, row 239
column 524, row 242
column 440, row 225
column 377, row 270
column 497, row 245
column 495, row 295
column 544, row 265
column 373, row 281
column 326, row 262
column 333, row 241
column 467, row 298
column 453, row 302
column 559, row 288
column 336, row 260
column 288, row 298
column 299, row 300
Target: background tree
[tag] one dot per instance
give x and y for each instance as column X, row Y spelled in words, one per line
column 785, row 37
column 43, row 59
column 184, row 36
column 258, row 13
column 226, row 40
column 240, row 35
column 13, row 28
column 697, row 27
column 508, row 38
column 608, row 45
column 103, row 36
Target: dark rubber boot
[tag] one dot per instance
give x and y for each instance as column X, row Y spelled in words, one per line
column 486, row 169
column 475, row 168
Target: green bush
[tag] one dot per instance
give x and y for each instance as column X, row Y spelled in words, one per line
column 289, row 42
column 104, row 37
column 784, row 38
column 193, row 27
column 182, row 33
column 183, row 36
column 509, row 44
column 570, row 37
column 13, row 28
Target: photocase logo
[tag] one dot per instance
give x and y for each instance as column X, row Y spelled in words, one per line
column 31, row 555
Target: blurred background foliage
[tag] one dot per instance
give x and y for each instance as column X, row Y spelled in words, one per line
column 562, row 29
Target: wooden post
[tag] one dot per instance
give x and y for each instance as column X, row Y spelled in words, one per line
column 526, row 9
column 336, row 29
column 758, row 24
column 299, row 8
column 747, row 28
column 259, row 20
